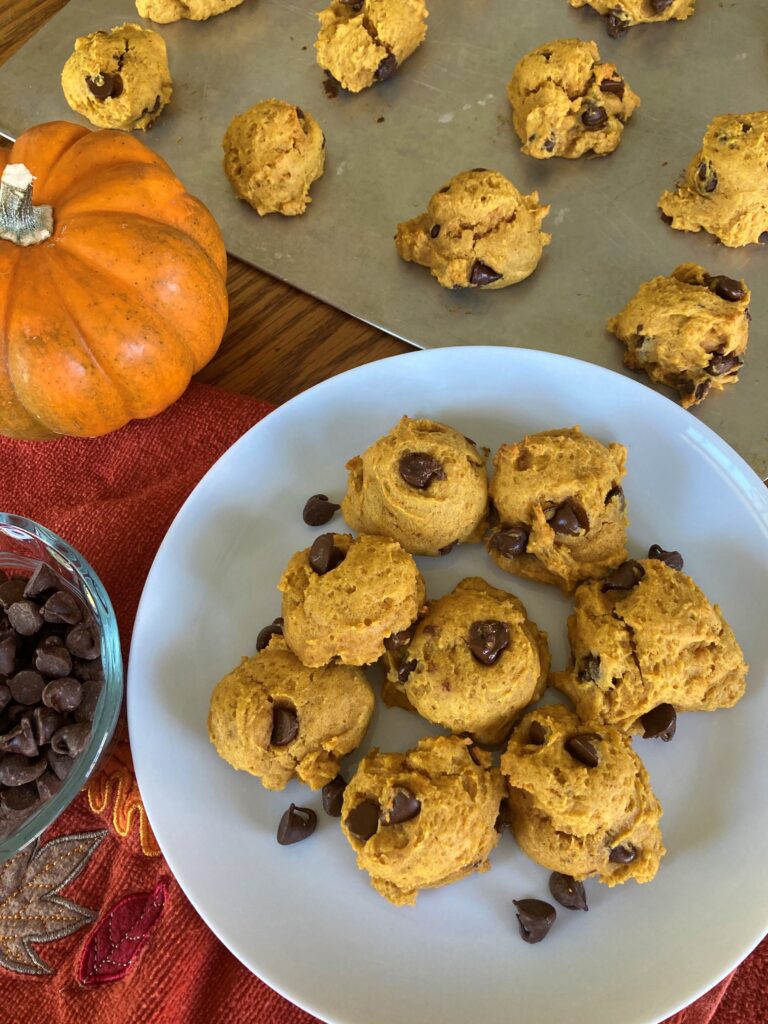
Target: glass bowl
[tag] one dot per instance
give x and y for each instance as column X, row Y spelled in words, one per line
column 23, row 545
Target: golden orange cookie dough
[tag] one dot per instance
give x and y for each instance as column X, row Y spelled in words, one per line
column 566, row 103
column 657, row 640
column 725, row 187
column 478, row 232
column 359, row 592
column 364, row 42
column 272, row 154
column 688, row 330
column 423, row 483
column 581, row 802
column 275, row 718
column 424, row 818
column 621, row 15
column 166, row 11
column 559, row 511
column 475, row 660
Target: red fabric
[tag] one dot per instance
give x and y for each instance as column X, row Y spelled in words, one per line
column 133, row 950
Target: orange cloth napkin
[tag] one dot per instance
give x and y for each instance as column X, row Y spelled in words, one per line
column 93, row 927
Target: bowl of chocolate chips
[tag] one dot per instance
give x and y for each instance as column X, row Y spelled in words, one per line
column 61, row 678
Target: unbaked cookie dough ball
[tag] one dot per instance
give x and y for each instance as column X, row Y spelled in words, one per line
column 343, row 597
column 581, row 802
column 278, row 720
column 478, row 232
column 725, row 187
column 424, row 484
column 621, row 15
column 424, row 818
column 165, row 11
column 272, row 154
column 558, row 507
column 474, row 661
column 361, row 42
column 566, row 103
column 645, row 636
column 688, row 331
column 118, row 79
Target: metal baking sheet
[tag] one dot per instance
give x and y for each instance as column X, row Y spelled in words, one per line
column 445, row 111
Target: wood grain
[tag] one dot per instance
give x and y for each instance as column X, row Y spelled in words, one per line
column 278, row 341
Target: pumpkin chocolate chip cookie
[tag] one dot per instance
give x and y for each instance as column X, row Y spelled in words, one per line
column 474, row 661
column 272, row 154
column 118, row 79
column 424, row 818
column 277, row 719
column 423, row 483
column 581, row 802
column 621, row 15
column 688, row 330
column 558, row 507
column 478, row 232
column 725, row 187
column 646, row 636
column 566, row 103
column 343, row 596
column 362, row 42
column 165, row 11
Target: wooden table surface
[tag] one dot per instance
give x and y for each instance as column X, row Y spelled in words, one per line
column 278, row 341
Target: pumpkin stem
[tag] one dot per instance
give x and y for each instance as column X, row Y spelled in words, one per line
column 20, row 221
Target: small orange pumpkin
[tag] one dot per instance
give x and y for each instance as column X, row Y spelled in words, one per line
column 112, row 285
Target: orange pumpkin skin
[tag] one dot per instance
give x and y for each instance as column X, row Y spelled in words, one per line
column 108, row 319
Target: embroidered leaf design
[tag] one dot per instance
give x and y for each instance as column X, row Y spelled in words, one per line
column 116, row 941
column 31, row 909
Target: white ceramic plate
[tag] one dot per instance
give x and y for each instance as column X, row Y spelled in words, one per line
column 303, row 917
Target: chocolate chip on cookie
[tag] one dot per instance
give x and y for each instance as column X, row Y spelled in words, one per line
column 487, row 639
column 363, row 820
column 420, row 469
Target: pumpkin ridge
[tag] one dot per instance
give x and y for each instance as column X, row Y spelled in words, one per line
column 29, row 158
column 75, row 192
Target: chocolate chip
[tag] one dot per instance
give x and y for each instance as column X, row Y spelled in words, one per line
column 613, row 86
column 671, row 558
column 8, row 648
column 12, row 591
column 510, row 541
column 45, row 722
column 487, row 639
column 42, row 581
column 569, row 518
column 285, row 725
column 20, row 740
column 537, row 734
column 333, row 796
column 624, row 577
column 105, row 86
column 48, row 785
column 26, row 686
column 265, row 635
column 481, row 274
column 299, row 113
column 17, row 770
column 61, row 765
column 727, row 288
column 589, row 668
column 581, row 749
column 386, row 68
column 659, row 6
column 549, row 144
column 706, row 176
column 53, row 659
column 666, row 217
column 616, row 25
column 701, row 390
column 319, row 510
column 567, row 891
column 398, row 640
column 24, row 616
column 622, row 854
column 447, row 188
column 83, row 641
column 616, row 492
column 86, row 670
column 296, row 824
column 435, row 231
column 324, row 555
column 722, row 363
column 62, row 607
column 90, row 698
column 20, row 798
column 472, row 751
column 62, row 694
column 448, row 548
column 535, row 918
column 594, row 117
column 363, row 820
column 72, row 739
column 419, row 469
column 405, row 670
column 5, row 696
column 660, row 723
column 504, row 817
column 405, row 806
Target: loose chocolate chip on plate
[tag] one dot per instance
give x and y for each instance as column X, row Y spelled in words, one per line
column 62, row 607
column 727, row 288
column 405, row 806
column 62, row 694
column 614, row 86
column 535, row 918
column 285, row 725
column 324, row 555
column 105, row 86
column 71, row 739
column 660, row 723
column 482, row 275
column 53, row 659
column 333, row 796
column 12, row 591
column 622, row 854
column 319, row 510
column 26, row 686
column 624, row 577
column 24, row 616
column 569, row 518
column 275, row 628
column 296, row 824
column 487, row 639
column 510, row 541
column 363, row 820
column 589, row 668
column 419, row 469
column 17, row 770
column 581, row 749
column 42, row 581
column 722, row 363
column 671, row 558
column 386, row 68
column 594, row 117
column 398, row 640
column 567, row 891
column 435, row 231
column 537, row 734
column 405, row 670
